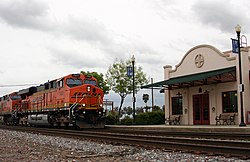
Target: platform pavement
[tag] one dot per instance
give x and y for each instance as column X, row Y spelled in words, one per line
column 187, row 128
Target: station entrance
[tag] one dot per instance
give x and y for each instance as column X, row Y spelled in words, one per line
column 201, row 109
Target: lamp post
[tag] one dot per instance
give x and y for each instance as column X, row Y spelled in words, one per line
column 133, row 67
column 241, row 86
column 152, row 91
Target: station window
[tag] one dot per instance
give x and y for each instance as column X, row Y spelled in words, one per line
column 177, row 105
column 229, row 102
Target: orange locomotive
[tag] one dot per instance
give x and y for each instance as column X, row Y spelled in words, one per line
column 74, row 100
column 8, row 105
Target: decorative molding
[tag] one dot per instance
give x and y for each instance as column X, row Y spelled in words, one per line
column 199, row 60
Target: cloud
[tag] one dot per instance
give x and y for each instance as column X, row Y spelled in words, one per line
column 87, row 30
column 98, row 36
column 81, row 57
column 147, row 54
column 163, row 7
column 127, row 47
column 75, row 58
column 25, row 14
column 94, row 33
column 221, row 14
column 104, row 44
column 34, row 14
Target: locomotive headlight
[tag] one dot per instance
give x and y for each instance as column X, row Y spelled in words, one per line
column 88, row 88
column 100, row 112
column 100, row 105
column 83, row 105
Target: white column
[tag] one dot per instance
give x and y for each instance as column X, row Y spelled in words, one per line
column 167, row 92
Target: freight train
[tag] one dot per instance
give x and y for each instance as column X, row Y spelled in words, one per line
column 73, row 100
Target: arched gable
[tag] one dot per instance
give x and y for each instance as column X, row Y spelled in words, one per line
column 202, row 58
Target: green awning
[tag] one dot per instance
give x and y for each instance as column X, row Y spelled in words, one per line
column 210, row 77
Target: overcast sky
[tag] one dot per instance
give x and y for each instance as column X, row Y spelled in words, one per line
column 42, row 40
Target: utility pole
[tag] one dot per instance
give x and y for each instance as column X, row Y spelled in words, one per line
column 152, row 94
column 134, row 100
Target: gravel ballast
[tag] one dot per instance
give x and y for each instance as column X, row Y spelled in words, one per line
column 28, row 147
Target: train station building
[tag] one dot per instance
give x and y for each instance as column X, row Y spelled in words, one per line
column 205, row 84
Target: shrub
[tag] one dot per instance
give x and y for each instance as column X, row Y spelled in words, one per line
column 111, row 119
column 150, row 118
column 127, row 121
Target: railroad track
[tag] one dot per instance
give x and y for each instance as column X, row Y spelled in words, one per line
column 213, row 146
column 244, row 136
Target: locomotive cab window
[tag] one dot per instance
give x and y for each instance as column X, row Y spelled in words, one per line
column 71, row 82
column 15, row 97
column 93, row 82
column 52, row 84
column 60, row 84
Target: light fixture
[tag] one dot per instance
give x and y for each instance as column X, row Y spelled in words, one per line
column 133, row 58
column 238, row 28
column 88, row 88
column 178, row 94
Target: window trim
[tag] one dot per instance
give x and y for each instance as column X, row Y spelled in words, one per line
column 179, row 103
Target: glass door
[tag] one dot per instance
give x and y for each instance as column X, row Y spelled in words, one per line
column 201, row 109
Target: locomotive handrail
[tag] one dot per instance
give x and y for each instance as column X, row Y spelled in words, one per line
column 72, row 107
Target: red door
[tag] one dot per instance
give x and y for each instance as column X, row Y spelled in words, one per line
column 201, row 109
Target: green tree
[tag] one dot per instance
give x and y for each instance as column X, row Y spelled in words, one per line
column 157, row 108
column 102, row 83
column 120, row 83
column 127, row 110
column 139, row 110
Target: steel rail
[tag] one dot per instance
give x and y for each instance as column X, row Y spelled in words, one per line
column 212, row 135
